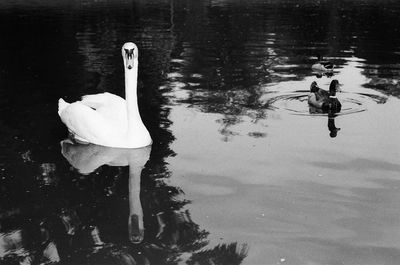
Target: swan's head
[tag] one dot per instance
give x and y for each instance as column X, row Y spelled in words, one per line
column 129, row 54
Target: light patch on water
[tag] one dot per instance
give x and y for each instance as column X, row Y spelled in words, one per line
column 179, row 61
column 194, row 84
column 286, row 66
column 174, row 75
column 284, row 75
column 196, row 75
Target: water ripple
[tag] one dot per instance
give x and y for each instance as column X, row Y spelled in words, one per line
column 296, row 102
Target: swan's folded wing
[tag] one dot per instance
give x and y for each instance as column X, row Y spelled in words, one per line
column 97, row 101
column 111, row 107
column 62, row 105
column 88, row 124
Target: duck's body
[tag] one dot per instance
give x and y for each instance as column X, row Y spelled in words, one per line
column 106, row 119
column 322, row 94
column 317, row 95
column 332, row 105
column 326, row 101
column 322, row 65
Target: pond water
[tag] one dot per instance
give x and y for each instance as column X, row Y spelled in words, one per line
column 240, row 170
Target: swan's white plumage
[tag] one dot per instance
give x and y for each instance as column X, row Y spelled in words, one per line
column 109, row 106
column 62, row 105
column 103, row 119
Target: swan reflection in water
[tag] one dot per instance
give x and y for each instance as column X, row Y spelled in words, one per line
column 87, row 158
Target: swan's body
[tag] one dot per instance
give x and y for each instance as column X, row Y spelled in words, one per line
column 106, row 119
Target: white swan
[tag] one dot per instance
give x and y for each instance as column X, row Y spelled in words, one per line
column 106, row 119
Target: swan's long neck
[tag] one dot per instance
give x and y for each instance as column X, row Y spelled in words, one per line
column 131, row 76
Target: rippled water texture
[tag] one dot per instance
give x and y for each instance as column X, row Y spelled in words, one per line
column 241, row 170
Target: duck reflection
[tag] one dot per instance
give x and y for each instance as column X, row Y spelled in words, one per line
column 333, row 130
column 87, row 158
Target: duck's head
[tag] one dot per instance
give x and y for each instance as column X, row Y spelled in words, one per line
column 129, row 54
column 314, row 87
column 334, row 87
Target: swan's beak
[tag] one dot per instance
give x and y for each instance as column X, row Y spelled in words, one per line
column 129, row 58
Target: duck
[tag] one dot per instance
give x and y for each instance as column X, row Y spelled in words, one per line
column 106, row 119
column 322, row 65
column 324, row 100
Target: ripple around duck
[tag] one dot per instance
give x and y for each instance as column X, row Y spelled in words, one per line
column 296, row 103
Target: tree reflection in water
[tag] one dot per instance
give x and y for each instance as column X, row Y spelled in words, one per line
column 223, row 254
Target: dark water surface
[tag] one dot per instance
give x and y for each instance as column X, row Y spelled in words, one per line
column 239, row 172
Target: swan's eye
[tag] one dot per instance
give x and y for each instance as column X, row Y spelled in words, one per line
column 129, row 53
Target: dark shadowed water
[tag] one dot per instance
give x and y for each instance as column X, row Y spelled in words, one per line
column 240, row 171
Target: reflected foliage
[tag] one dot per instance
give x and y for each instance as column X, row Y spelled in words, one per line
column 388, row 86
column 221, row 254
